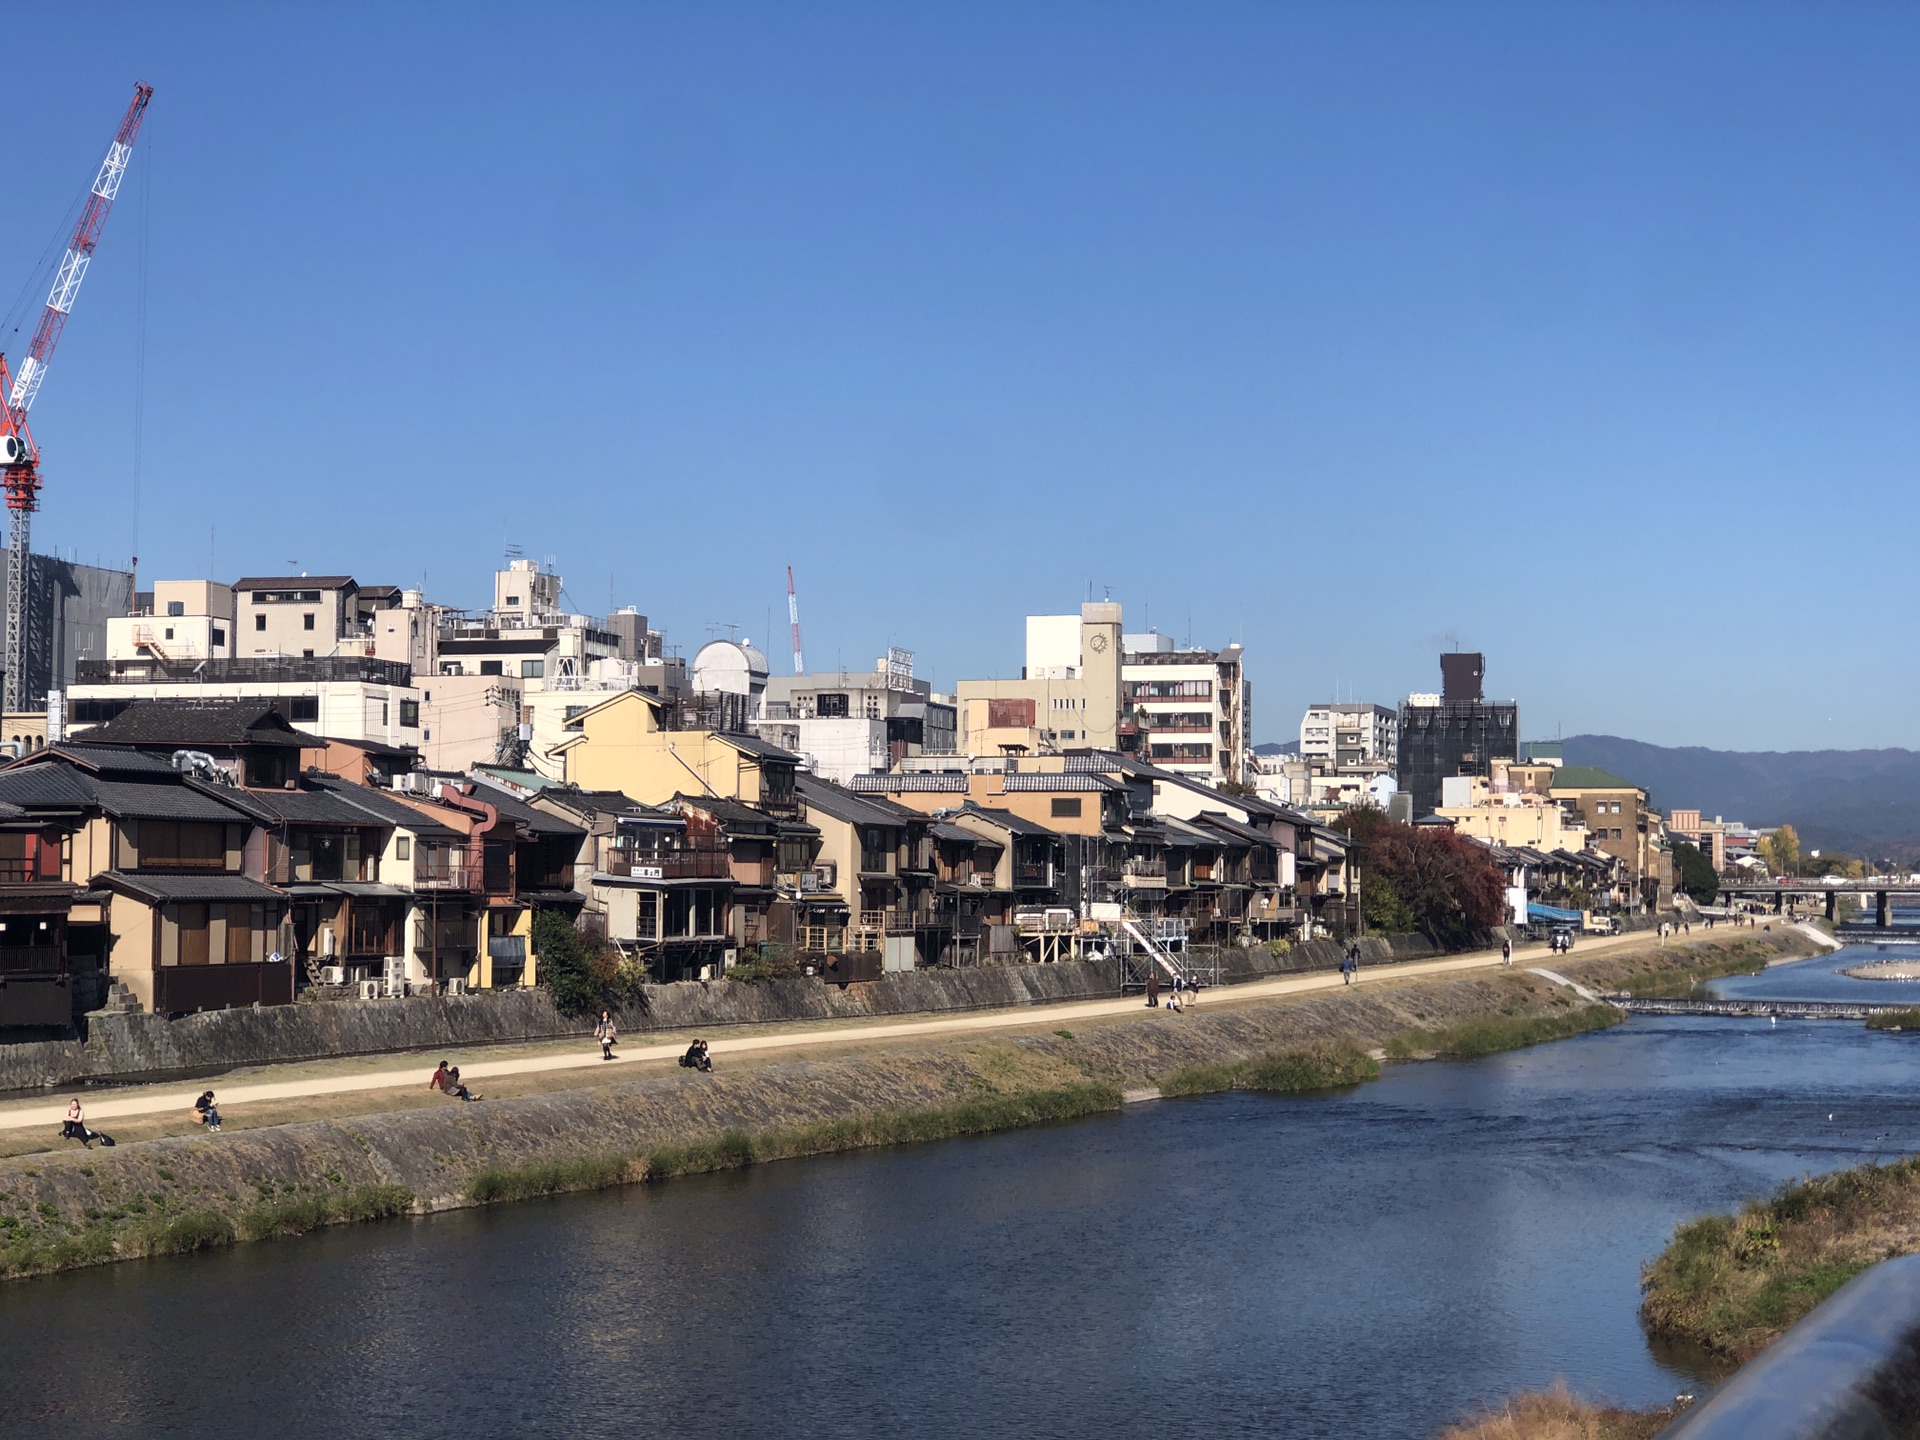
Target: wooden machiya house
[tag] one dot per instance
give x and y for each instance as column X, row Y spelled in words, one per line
column 160, row 877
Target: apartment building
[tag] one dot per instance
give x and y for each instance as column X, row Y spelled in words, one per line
column 847, row 723
column 1192, row 707
column 1339, row 734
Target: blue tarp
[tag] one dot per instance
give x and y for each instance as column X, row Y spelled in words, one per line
column 1537, row 911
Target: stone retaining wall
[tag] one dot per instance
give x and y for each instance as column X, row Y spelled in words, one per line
column 128, row 1047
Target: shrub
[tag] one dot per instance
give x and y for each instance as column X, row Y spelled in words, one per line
column 578, row 986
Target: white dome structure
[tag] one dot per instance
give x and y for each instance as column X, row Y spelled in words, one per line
column 730, row 667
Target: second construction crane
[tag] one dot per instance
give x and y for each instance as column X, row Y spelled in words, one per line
column 19, row 456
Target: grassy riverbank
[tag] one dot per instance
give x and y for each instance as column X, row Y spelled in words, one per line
column 1742, row 957
column 1894, row 1020
column 1734, row 1283
column 1555, row 1414
column 68, row 1208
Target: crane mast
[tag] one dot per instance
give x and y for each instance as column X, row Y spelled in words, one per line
column 793, row 619
column 19, row 456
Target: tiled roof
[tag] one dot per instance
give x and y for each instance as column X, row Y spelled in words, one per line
column 188, row 723
column 189, row 887
column 1021, row 781
column 843, row 804
column 299, row 807
column 108, row 758
column 760, row 749
column 161, row 801
column 735, row 815
column 383, row 808
column 538, row 821
column 912, row 783
column 1007, row 820
column 294, row 582
column 1587, row 777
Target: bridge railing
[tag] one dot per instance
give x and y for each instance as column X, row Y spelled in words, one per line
column 1847, row 1369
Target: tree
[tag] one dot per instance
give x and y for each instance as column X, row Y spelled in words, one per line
column 1781, row 851
column 1695, row 873
column 565, row 967
column 1382, row 908
column 1443, row 884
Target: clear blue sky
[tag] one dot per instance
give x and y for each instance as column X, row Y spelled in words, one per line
column 1586, row 334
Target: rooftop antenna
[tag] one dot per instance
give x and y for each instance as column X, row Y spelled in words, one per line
column 793, row 619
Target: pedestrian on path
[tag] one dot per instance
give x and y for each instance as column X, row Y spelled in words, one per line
column 606, row 1033
column 1153, row 987
column 1506, row 952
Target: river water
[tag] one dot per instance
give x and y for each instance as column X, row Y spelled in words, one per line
column 1367, row 1264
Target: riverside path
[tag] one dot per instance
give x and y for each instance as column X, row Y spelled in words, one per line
column 297, row 1080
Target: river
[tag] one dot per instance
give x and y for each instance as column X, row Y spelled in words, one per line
column 1365, row 1264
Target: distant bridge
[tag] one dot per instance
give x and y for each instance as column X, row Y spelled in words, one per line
column 1778, row 892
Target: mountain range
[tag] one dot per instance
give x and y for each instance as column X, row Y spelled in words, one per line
column 1866, row 802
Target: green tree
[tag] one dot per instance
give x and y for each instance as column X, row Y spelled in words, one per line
column 565, row 967
column 1383, row 909
column 1695, row 873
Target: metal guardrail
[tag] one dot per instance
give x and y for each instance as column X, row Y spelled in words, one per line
column 1848, row 1371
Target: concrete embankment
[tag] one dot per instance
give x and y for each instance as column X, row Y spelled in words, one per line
column 82, row 1207
column 130, row 1047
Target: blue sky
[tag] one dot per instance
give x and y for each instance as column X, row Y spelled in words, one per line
column 1588, row 335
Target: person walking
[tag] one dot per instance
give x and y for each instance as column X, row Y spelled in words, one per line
column 1153, row 987
column 606, row 1033
column 1506, row 952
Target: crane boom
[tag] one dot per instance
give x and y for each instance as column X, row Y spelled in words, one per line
column 19, row 456
column 793, row 619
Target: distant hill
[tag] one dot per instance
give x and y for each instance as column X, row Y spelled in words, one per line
column 1863, row 801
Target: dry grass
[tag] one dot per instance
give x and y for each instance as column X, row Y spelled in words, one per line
column 1733, row 1283
column 1557, row 1414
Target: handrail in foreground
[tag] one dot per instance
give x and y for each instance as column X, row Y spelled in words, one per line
column 1849, row 1370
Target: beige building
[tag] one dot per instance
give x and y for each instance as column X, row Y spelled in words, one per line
column 1616, row 815
column 1192, row 707
column 624, row 744
column 1509, row 817
column 1068, row 693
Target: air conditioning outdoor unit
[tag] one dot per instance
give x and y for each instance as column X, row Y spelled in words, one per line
column 333, row 974
column 370, row 989
column 456, row 987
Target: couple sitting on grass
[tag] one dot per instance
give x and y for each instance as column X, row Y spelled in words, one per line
column 448, row 1080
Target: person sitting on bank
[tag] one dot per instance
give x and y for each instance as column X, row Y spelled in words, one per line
column 75, row 1127
column 440, row 1076
column 697, row 1057
column 456, row 1087
column 205, row 1112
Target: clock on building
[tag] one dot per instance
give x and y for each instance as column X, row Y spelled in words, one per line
column 1098, row 642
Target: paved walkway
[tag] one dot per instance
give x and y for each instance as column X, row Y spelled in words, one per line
column 171, row 1096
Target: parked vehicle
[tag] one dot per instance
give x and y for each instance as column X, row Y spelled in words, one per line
column 1601, row 925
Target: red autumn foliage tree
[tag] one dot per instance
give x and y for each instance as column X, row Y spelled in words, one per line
column 1449, row 883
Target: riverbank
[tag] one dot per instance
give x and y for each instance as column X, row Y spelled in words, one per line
column 72, row 1208
column 1556, row 1414
column 1733, row 1284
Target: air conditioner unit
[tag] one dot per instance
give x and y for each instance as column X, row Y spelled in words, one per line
column 456, row 987
column 370, row 989
column 333, row 974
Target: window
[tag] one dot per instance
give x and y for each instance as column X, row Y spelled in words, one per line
column 306, row 621
column 1066, row 807
column 409, row 714
column 572, row 710
column 169, row 634
column 176, row 607
column 385, row 710
column 403, row 847
column 831, row 707
column 219, row 636
column 451, row 667
column 182, row 845
column 303, row 709
column 259, row 622
column 306, row 654
column 533, row 669
column 491, row 667
column 513, row 600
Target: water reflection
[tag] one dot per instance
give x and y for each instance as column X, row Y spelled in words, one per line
column 1365, row 1264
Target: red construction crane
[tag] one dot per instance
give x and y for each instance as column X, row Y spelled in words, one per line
column 793, row 618
column 19, row 456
